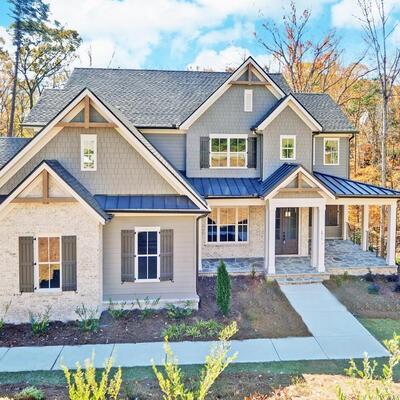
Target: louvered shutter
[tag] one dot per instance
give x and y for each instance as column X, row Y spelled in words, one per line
column 128, row 256
column 26, row 264
column 252, row 152
column 69, row 263
column 166, row 254
column 205, row 152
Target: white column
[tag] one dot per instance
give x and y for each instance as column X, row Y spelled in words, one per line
column 314, row 237
column 199, row 243
column 364, row 227
column 271, row 239
column 321, row 239
column 391, row 235
column 345, row 220
column 266, row 239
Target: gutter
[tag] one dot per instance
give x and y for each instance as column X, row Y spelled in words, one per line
column 197, row 256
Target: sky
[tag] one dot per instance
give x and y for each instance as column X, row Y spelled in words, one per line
column 191, row 34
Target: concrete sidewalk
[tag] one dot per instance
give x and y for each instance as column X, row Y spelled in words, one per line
column 336, row 335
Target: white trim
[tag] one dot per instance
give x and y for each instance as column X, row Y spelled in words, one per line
column 228, row 138
column 293, row 103
column 162, row 131
column 276, row 91
column 84, row 137
column 333, row 139
column 235, row 202
column 313, row 149
column 358, row 201
column 248, row 100
column 138, row 229
column 281, row 148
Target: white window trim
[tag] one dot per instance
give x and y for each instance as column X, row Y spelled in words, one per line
column 280, row 147
column 228, row 137
column 248, row 105
column 218, row 242
column 147, row 229
column 83, row 137
column 313, row 149
column 338, row 152
column 37, row 289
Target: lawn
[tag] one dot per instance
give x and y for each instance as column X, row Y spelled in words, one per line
column 259, row 307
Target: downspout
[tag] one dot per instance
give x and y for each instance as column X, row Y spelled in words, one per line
column 197, row 254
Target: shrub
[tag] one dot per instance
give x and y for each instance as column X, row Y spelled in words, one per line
column 3, row 317
column 40, row 321
column 373, row 288
column 171, row 381
column 88, row 318
column 253, row 272
column 392, row 278
column 116, row 310
column 396, row 289
column 175, row 312
column 30, row 393
column 223, row 289
column 369, row 277
column 83, row 384
column 199, row 329
column 147, row 306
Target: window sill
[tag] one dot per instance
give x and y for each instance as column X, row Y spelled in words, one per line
column 147, row 281
column 226, row 243
column 48, row 292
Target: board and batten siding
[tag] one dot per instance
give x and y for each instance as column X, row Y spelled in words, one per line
column 341, row 170
column 227, row 116
column 183, row 285
column 120, row 168
column 171, row 146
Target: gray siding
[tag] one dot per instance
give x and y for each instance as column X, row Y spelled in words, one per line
column 184, row 282
column 226, row 116
column 286, row 123
column 342, row 169
column 172, row 147
column 120, row 168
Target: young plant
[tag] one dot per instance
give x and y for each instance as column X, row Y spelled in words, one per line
column 171, row 381
column 117, row 311
column 40, row 321
column 83, row 384
column 30, row 393
column 373, row 288
column 147, row 306
column 88, row 319
column 223, row 289
column 199, row 329
column 369, row 277
column 3, row 317
column 175, row 312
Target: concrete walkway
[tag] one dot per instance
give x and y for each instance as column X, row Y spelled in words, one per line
column 336, row 335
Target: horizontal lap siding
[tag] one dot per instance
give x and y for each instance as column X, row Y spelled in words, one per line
column 184, row 257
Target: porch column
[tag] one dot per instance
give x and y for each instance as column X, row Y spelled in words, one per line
column 321, row 239
column 271, row 238
column 345, row 220
column 199, row 243
column 391, row 235
column 314, row 237
column 365, row 227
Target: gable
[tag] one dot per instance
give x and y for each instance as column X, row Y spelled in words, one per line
column 288, row 122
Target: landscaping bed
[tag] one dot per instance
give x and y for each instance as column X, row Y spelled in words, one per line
column 259, row 307
column 371, row 296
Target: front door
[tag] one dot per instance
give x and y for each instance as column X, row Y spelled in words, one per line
column 286, row 231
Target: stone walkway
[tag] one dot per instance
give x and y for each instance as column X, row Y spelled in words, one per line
column 336, row 335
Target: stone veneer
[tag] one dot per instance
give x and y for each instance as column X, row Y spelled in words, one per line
column 60, row 219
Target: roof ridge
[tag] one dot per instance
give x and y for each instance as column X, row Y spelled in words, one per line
column 149, row 70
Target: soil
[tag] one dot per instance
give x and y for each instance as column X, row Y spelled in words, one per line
column 259, row 307
column 353, row 293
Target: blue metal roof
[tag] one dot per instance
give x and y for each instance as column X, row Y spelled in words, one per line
column 342, row 187
column 132, row 203
column 277, row 177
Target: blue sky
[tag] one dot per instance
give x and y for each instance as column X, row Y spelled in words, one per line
column 177, row 34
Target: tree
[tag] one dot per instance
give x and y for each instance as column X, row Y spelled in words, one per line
column 24, row 13
column 377, row 32
column 223, row 289
column 45, row 53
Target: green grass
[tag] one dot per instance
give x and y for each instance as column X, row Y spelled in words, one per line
column 382, row 329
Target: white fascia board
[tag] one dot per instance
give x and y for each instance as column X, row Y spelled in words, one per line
column 305, row 116
column 225, row 86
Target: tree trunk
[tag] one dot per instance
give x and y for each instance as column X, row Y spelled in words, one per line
column 383, row 173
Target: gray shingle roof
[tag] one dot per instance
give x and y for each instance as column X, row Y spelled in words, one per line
column 9, row 146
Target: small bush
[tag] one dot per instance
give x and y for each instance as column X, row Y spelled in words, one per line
column 40, row 321
column 369, row 277
column 200, row 329
column 88, row 318
column 83, row 384
column 117, row 311
column 373, row 288
column 253, row 272
column 392, row 278
column 147, row 306
column 396, row 288
column 3, row 317
column 175, row 312
column 30, row 393
column 223, row 289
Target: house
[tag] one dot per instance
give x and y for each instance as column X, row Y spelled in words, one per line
column 137, row 180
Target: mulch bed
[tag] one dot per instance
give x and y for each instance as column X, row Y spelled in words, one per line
column 353, row 293
column 259, row 307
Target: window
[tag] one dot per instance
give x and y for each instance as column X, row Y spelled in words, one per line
column 332, row 215
column 331, row 151
column 88, row 152
column 288, row 147
column 147, row 254
column 49, row 262
column 228, row 224
column 228, row 152
column 248, row 100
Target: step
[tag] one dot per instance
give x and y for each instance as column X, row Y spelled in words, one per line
column 299, row 281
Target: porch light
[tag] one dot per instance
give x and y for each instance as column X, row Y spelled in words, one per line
column 287, row 213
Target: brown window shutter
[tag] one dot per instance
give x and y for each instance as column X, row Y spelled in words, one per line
column 204, row 152
column 26, row 264
column 166, row 254
column 252, row 152
column 69, row 262
column 127, row 256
